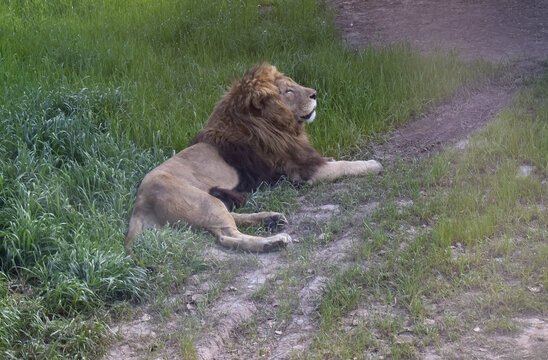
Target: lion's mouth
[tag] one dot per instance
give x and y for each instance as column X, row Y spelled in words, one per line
column 309, row 116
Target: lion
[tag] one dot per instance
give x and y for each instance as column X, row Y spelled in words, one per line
column 255, row 134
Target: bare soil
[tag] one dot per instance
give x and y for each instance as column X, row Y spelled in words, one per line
column 511, row 32
column 495, row 30
column 246, row 320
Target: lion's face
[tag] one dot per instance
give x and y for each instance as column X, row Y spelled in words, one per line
column 300, row 100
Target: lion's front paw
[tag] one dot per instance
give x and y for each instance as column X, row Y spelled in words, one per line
column 277, row 241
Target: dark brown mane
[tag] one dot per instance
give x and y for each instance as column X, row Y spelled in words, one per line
column 257, row 134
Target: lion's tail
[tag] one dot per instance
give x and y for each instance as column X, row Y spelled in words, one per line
column 135, row 228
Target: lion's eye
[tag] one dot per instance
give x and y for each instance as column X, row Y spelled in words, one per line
column 288, row 91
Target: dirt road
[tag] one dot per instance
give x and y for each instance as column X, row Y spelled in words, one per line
column 495, row 30
column 512, row 32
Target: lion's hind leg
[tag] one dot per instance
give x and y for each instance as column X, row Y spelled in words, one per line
column 231, row 237
column 164, row 198
column 272, row 221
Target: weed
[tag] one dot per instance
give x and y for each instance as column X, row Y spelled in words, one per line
column 341, row 294
column 186, row 344
column 354, row 344
column 403, row 350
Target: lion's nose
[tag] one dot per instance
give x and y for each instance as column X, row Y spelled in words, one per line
column 313, row 96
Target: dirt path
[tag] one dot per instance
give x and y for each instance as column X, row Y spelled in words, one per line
column 495, row 30
column 247, row 319
column 513, row 32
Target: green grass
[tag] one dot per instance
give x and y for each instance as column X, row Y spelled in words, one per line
column 66, row 186
column 94, row 94
column 172, row 60
column 468, row 250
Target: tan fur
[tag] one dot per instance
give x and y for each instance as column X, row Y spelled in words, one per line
column 256, row 133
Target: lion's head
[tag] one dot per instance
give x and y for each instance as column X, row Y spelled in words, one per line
column 258, row 127
column 299, row 99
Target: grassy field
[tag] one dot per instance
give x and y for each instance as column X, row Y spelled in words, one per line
column 94, row 94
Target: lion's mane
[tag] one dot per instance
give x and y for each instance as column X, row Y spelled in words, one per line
column 257, row 134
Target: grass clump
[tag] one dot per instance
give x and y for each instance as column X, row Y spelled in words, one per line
column 340, row 295
column 164, row 248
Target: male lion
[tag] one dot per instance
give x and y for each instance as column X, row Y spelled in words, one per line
column 255, row 133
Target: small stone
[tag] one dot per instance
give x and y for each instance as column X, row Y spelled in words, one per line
column 525, row 170
column 194, row 280
column 463, row 144
column 328, row 207
column 534, row 289
column 405, row 339
column 429, row 322
column 405, row 202
column 477, row 329
column 278, row 332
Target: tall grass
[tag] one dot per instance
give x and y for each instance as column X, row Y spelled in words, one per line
column 95, row 93
column 66, row 186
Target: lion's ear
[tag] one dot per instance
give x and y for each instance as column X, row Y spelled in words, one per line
column 257, row 102
column 259, row 97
